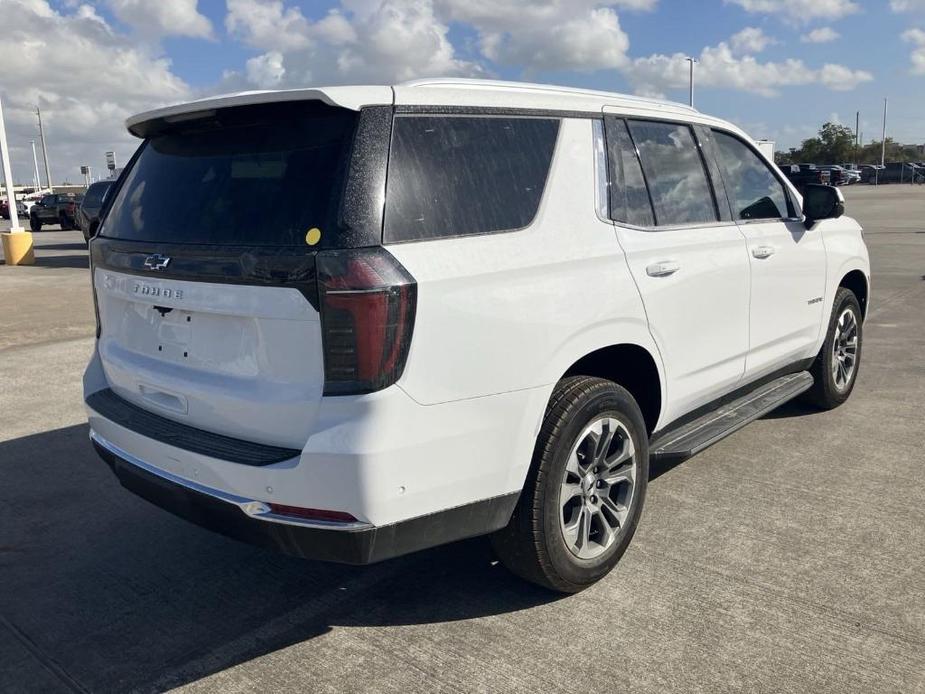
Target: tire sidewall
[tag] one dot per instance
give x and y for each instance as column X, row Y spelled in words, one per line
column 618, row 403
column 843, row 300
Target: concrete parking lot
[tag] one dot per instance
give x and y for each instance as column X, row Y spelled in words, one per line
column 790, row 557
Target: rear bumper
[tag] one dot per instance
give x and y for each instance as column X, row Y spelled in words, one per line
column 350, row 543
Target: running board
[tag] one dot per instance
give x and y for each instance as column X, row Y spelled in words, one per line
column 691, row 438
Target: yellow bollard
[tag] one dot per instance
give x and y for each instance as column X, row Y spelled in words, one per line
column 17, row 247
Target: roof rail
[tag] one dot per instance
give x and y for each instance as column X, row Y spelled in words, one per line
column 460, row 82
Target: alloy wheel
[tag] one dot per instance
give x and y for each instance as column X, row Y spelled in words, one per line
column 598, row 488
column 845, row 349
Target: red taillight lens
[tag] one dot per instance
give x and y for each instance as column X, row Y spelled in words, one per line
column 367, row 317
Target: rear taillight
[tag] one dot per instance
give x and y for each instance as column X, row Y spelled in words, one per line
column 367, row 302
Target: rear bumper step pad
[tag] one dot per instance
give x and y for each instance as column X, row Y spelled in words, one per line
column 109, row 405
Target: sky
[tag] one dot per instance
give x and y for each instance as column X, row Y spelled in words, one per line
column 777, row 68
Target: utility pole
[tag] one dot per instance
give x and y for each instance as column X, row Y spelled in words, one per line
column 857, row 135
column 883, row 137
column 38, row 112
column 691, row 61
column 35, row 163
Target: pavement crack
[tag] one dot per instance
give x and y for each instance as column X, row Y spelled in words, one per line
column 45, row 660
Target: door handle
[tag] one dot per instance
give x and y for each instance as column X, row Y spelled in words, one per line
column 663, row 268
column 762, row 252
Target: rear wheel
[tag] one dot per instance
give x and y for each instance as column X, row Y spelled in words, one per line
column 585, row 490
column 65, row 223
column 34, row 224
column 836, row 367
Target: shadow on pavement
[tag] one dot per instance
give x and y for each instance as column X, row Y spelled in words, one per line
column 62, row 246
column 794, row 408
column 57, row 261
column 109, row 592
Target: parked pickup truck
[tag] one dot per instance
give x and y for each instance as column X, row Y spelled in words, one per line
column 55, row 208
column 802, row 175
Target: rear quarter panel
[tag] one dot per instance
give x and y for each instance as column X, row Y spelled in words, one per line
column 510, row 311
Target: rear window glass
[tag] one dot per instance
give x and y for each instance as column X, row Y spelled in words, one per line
column 461, row 175
column 675, row 174
column 256, row 175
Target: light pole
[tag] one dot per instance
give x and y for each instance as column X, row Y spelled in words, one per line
column 38, row 112
column 16, row 243
column 35, row 163
column 883, row 137
column 691, row 61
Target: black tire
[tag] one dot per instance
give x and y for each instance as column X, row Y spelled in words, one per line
column 64, row 223
column 34, row 224
column 533, row 545
column 826, row 393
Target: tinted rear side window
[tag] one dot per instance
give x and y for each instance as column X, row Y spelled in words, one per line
column 629, row 199
column 674, row 171
column 461, row 175
column 94, row 196
column 256, row 175
column 755, row 192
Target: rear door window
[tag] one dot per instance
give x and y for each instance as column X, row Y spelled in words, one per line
column 674, row 171
column 463, row 175
column 256, row 175
column 754, row 191
column 629, row 199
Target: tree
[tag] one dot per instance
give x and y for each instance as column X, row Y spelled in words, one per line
column 835, row 145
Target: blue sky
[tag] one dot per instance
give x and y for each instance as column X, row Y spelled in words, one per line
column 779, row 68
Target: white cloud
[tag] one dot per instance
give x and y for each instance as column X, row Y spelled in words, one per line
column 267, row 24
column 917, row 38
column 266, row 71
column 820, row 35
column 907, row 5
column 720, row 66
column 154, row 19
column 587, row 42
column 800, row 10
column 86, row 90
column 364, row 41
column 751, row 40
column 555, row 35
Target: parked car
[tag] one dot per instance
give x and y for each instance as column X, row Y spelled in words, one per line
column 870, row 173
column 21, row 209
column 88, row 214
column 466, row 325
column 899, row 172
column 838, row 176
column 55, row 208
column 802, row 175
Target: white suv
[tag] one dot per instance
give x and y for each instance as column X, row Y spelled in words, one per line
column 355, row 322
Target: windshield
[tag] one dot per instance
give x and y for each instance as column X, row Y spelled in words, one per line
column 255, row 175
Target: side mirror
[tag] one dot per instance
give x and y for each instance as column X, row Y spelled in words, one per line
column 821, row 202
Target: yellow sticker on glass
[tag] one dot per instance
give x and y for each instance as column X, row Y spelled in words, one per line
column 313, row 236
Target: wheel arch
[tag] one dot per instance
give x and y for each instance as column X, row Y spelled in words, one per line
column 856, row 281
column 631, row 366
